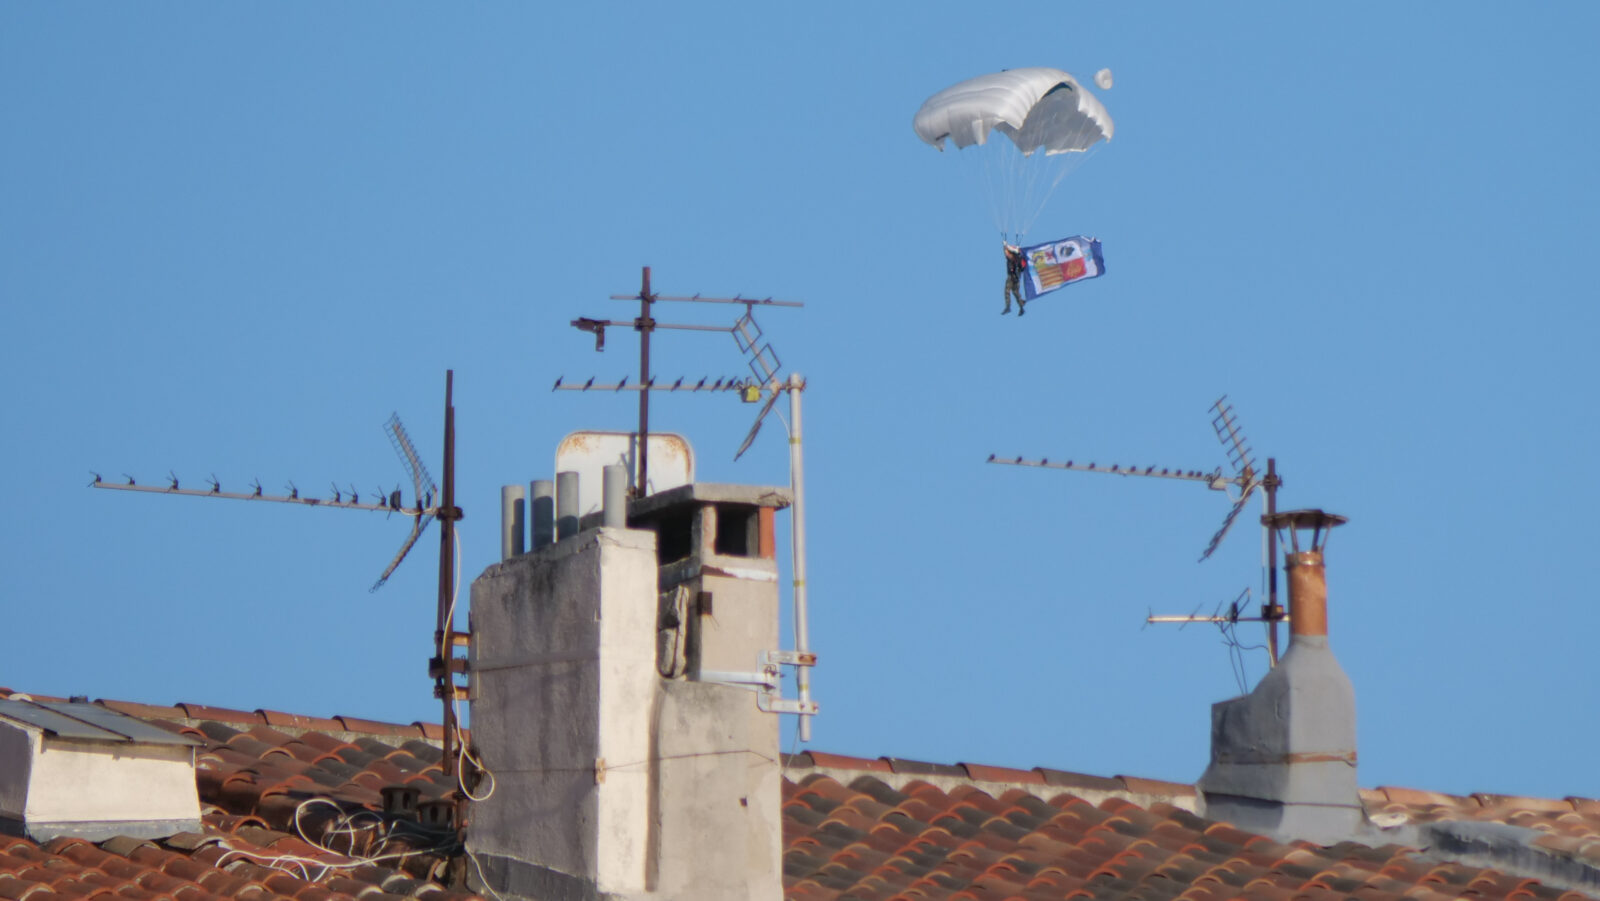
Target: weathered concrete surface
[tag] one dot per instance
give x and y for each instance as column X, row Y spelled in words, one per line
column 611, row 781
column 1283, row 758
column 563, row 663
column 720, row 824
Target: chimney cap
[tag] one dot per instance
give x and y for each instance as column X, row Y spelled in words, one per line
column 1296, row 522
column 1303, row 519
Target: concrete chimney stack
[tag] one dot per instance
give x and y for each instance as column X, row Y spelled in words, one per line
column 1283, row 758
column 618, row 700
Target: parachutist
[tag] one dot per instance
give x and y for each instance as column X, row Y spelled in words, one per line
column 1015, row 264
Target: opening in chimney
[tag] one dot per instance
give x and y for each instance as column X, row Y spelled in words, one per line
column 736, row 531
column 674, row 535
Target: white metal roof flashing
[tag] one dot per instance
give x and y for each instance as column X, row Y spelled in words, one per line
column 82, row 720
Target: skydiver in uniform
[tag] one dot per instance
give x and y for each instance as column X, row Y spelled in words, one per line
column 1015, row 264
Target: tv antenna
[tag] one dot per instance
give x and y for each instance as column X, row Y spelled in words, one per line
column 1243, row 483
column 422, row 511
column 764, row 379
column 763, row 361
column 430, row 504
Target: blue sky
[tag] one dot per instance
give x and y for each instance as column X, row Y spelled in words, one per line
column 234, row 238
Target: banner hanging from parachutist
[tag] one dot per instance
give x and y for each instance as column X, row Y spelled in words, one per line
column 1056, row 264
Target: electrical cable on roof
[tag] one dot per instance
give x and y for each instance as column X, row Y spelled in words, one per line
column 482, row 878
column 455, row 706
column 462, row 754
column 344, row 823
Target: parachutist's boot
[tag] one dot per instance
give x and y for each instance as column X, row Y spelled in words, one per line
column 1021, row 308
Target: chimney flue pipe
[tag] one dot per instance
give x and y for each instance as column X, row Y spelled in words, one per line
column 512, row 525
column 1308, row 594
column 615, row 497
column 1308, row 577
column 566, row 505
column 542, row 511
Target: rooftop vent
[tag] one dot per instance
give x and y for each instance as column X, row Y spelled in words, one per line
column 79, row 769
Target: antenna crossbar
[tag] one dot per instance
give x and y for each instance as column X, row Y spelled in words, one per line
column 706, row 384
column 1214, row 479
column 1159, row 618
column 389, row 505
column 763, row 360
column 586, row 324
column 695, row 298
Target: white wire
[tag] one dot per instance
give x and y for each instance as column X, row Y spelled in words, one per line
column 462, row 754
column 482, row 878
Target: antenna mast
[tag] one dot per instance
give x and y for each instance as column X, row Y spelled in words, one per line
column 764, row 367
column 444, row 666
column 764, row 361
column 422, row 512
column 1244, row 480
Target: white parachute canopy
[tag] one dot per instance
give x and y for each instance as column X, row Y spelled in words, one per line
column 1035, row 109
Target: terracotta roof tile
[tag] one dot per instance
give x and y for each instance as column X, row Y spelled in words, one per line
column 842, row 762
column 1079, row 781
column 922, row 767
column 900, row 829
column 217, row 714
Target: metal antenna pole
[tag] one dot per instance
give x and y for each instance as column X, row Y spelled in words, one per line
column 644, row 325
column 1273, row 613
column 444, row 637
column 802, row 629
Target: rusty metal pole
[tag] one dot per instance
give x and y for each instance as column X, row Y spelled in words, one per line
column 1273, row 613
column 444, row 639
column 644, row 325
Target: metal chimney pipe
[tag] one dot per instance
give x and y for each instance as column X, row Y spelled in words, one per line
column 542, row 510
column 1308, row 578
column 566, row 505
column 1308, row 594
column 615, row 496
column 513, row 526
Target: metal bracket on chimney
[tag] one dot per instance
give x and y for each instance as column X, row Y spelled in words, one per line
column 768, row 681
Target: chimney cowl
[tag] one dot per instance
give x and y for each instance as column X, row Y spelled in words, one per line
column 1308, row 583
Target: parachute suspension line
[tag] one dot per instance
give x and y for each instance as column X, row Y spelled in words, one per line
column 1042, row 179
column 1017, row 186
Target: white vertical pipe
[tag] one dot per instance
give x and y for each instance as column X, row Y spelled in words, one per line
column 566, row 505
column 542, row 512
column 512, row 525
column 797, row 485
column 615, row 497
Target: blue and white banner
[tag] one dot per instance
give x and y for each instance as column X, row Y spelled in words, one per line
column 1056, row 264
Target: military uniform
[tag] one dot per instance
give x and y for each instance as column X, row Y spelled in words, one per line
column 1015, row 264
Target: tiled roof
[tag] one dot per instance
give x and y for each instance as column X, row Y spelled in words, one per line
column 893, row 829
column 290, row 809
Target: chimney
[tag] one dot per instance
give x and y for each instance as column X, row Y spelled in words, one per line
column 620, row 683
column 1283, row 757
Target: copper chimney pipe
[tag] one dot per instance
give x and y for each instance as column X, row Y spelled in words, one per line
column 1308, row 578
